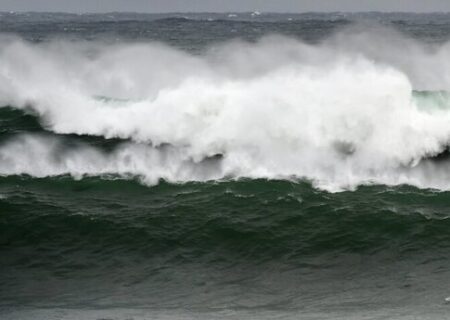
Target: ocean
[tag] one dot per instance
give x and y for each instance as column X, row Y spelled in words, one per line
column 224, row 166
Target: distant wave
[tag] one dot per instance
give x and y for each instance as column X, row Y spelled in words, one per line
column 359, row 108
column 174, row 19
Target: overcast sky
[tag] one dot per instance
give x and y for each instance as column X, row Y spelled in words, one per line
column 224, row 5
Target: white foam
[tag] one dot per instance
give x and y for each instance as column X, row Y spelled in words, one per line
column 340, row 113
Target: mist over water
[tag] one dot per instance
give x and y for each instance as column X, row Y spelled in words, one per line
column 218, row 166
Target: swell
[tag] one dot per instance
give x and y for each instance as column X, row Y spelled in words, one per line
column 231, row 221
column 99, row 244
column 251, row 245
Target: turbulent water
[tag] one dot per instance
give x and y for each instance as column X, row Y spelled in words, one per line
column 224, row 166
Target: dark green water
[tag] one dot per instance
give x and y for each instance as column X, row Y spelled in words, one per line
column 258, row 245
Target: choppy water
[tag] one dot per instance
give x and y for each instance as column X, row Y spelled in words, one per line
column 224, row 166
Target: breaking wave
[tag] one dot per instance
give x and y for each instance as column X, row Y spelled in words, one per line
column 358, row 108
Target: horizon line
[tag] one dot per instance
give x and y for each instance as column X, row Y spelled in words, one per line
column 224, row 12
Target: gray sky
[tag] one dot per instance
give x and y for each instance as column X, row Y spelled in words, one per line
column 224, row 5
